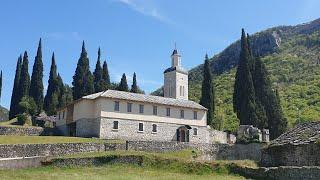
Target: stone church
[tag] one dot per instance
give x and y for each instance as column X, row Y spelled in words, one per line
column 123, row 115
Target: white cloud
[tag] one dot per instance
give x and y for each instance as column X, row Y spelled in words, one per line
column 146, row 9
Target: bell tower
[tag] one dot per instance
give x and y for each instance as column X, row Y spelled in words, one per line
column 176, row 79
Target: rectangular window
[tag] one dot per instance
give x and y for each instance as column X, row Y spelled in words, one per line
column 168, row 111
column 154, row 128
column 141, row 109
column 195, row 115
column 195, row 131
column 155, row 110
column 115, row 124
column 129, row 107
column 140, row 126
column 181, row 114
column 116, row 106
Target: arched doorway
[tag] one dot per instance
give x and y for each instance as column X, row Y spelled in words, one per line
column 183, row 133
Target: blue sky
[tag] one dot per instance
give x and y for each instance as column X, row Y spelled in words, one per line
column 134, row 35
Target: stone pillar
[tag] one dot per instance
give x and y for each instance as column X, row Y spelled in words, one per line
column 265, row 135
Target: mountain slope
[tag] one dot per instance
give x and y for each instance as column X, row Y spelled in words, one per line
column 291, row 54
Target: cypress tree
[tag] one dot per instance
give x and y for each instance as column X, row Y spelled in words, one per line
column 270, row 101
column 262, row 86
column 0, row 83
column 244, row 94
column 51, row 98
column 36, row 85
column 207, row 92
column 123, row 86
column 61, row 92
column 14, row 97
column 134, row 86
column 24, row 81
column 105, row 76
column 277, row 123
column 99, row 84
column 261, row 121
column 83, row 79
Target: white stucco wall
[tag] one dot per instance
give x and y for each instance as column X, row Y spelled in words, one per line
column 174, row 80
column 86, row 109
column 107, row 111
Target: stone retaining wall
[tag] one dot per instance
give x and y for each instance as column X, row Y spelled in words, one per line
column 30, row 150
column 21, row 131
column 291, row 155
column 209, row 151
column 22, row 162
column 282, row 172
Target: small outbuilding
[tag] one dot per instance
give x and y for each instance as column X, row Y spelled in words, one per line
column 299, row 146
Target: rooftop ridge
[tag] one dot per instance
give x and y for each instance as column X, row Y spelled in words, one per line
column 145, row 98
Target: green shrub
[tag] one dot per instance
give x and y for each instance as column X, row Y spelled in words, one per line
column 28, row 105
column 247, row 139
column 24, row 119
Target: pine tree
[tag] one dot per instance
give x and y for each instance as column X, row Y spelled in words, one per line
column 51, row 98
column 244, row 94
column 123, row 86
column 36, row 85
column 207, row 92
column 105, row 76
column 24, row 81
column 134, row 87
column 99, row 84
column 14, row 97
column 83, row 79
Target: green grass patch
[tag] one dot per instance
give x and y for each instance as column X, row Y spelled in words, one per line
column 10, row 122
column 186, row 154
column 14, row 123
column 117, row 171
column 177, row 162
column 51, row 140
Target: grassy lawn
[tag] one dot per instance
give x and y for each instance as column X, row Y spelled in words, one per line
column 118, row 172
column 186, row 154
column 50, row 140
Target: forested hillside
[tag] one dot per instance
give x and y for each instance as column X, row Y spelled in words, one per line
column 292, row 55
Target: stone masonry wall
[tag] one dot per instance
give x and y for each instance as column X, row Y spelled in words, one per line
column 21, row 131
column 209, row 151
column 31, row 150
column 291, row 155
column 128, row 130
column 283, row 173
